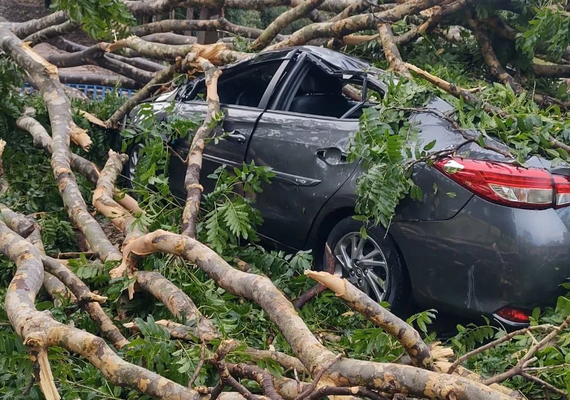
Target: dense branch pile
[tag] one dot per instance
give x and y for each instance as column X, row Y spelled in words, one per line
column 148, row 57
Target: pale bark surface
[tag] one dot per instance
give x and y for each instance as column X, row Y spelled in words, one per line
column 152, row 60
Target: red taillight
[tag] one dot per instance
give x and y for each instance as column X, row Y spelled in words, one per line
column 513, row 315
column 508, row 184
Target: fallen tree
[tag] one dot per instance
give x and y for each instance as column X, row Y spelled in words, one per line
column 310, row 370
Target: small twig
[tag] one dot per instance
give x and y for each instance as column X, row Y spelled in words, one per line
column 495, row 343
column 547, row 385
column 466, row 135
column 529, row 333
column 547, row 367
column 306, row 393
column 199, row 366
column 225, row 377
column 330, row 262
column 518, row 368
column 217, row 390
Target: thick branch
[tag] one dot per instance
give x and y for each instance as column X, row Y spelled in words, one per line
column 455, row 90
column 389, row 378
column 38, row 329
column 137, row 62
column 490, row 57
column 551, row 70
column 96, row 55
column 29, row 229
column 42, row 140
column 178, row 303
column 51, row 32
column 94, row 79
column 27, row 28
column 104, row 203
column 194, row 160
column 220, row 24
column 359, row 301
column 283, row 21
column 391, row 51
column 217, row 54
column 153, row 7
column 355, row 23
column 159, row 79
column 59, row 109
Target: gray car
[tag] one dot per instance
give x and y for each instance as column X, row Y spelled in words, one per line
column 492, row 240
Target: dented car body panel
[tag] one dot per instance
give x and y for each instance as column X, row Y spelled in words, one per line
column 463, row 254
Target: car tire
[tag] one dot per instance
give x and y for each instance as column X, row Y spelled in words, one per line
column 378, row 257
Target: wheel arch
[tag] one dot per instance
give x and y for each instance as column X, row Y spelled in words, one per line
column 325, row 223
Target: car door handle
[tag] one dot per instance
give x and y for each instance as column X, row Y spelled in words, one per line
column 332, row 155
column 236, row 137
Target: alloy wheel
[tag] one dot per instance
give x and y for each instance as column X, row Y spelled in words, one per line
column 363, row 263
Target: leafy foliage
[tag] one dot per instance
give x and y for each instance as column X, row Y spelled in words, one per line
column 385, row 142
column 231, row 216
column 103, row 19
column 548, row 32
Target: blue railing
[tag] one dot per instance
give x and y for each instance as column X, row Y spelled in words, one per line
column 91, row 91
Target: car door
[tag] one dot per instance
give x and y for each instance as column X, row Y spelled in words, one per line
column 307, row 153
column 241, row 90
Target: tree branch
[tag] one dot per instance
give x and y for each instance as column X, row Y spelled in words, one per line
column 355, row 23
column 283, row 21
column 194, row 160
column 59, row 110
column 151, row 87
column 373, row 311
column 178, row 303
column 414, row 381
column 391, row 51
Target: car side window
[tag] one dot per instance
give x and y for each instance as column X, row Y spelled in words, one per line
column 244, row 87
column 326, row 95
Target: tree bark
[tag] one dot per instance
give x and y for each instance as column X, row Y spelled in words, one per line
column 96, row 55
column 194, row 160
column 59, row 110
column 391, row 51
column 283, row 21
column 355, row 23
column 159, row 79
column 389, row 378
column 178, row 303
column 51, row 32
column 170, row 38
column 371, row 310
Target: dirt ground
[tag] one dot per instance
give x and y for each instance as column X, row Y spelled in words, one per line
column 22, row 10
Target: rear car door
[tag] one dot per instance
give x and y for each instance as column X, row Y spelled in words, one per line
column 241, row 91
column 304, row 139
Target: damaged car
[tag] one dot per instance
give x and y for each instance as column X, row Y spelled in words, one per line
column 499, row 246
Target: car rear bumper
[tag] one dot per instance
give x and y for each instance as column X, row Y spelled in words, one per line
column 487, row 257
